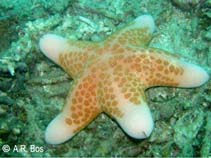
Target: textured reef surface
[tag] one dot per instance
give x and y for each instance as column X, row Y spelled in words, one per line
column 33, row 89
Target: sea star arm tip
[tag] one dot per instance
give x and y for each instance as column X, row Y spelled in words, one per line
column 159, row 68
column 58, row 131
column 137, row 33
column 145, row 21
column 193, row 76
column 52, row 45
column 137, row 120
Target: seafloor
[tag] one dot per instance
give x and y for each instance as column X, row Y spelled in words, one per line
column 33, row 89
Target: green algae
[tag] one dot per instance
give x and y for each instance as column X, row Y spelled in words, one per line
column 33, row 89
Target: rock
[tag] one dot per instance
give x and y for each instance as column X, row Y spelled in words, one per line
column 186, row 4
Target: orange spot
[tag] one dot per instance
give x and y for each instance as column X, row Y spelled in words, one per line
column 158, row 75
column 76, row 121
column 79, row 106
column 74, row 101
column 76, row 93
column 120, row 50
column 158, row 61
column 176, row 71
column 94, row 69
column 151, row 57
column 143, row 56
column 80, row 113
column 135, row 100
column 80, row 99
column 166, row 63
column 137, row 60
column 74, row 115
column 83, row 119
column 73, row 108
column 86, row 103
column 166, row 71
column 87, row 110
column 146, row 61
column 114, row 103
column 127, row 95
column 160, row 67
column 87, row 95
column 82, row 92
column 107, row 95
column 68, row 121
column 171, row 68
column 87, row 115
column 112, row 96
column 181, row 71
column 116, row 46
column 85, row 85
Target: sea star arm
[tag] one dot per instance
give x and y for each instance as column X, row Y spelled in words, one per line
column 137, row 33
column 80, row 109
column 156, row 67
column 176, row 72
column 72, row 56
column 121, row 96
column 136, row 120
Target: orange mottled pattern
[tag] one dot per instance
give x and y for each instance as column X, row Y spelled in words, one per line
column 82, row 103
column 148, row 67
column 112, row 70
column 125, row 36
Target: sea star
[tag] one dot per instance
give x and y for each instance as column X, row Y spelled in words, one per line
column 111, row 76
